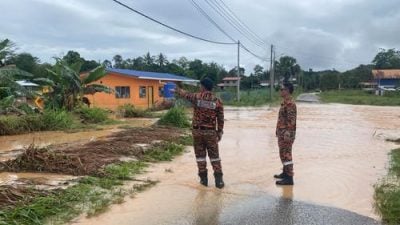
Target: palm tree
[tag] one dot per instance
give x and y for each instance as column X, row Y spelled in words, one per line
column 161, row 60
column 69, row 87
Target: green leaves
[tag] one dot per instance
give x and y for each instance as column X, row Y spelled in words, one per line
column 94, row 75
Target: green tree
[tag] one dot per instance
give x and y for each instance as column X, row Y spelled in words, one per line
column 387, row 59
column 287, row 68
column 72, row 57
column 161, row 60
column 107, row 64
column 352, row 78
column 118, row 62
column 68, row 87
column 329, row 80
column 25, row 61
column 7, row 49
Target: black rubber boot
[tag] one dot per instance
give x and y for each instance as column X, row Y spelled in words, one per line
column 287, row 180
column 279, row 176
column 203, row 178
column 219, row 182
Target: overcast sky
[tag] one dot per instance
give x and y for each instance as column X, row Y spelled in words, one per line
column 320, row 34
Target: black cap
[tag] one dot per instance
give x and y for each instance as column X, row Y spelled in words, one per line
column 207, row 83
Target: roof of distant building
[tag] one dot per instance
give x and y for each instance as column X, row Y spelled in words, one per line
column 151, row 75
column 386, row 74
column 230, row 78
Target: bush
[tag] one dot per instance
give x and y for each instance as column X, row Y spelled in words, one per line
column 56, row 120
column 10, row 125
column 175, row 117
column 92, row 115
column 129, row 111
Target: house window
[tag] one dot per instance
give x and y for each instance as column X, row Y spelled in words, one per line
column 142, row 92
column 160, row 91
column 122, row 92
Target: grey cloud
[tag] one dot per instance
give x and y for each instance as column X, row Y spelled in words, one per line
column 321, row 34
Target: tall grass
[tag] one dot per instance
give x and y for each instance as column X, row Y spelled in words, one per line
column 175, row 117
column 56, row 120
column 387, row 192
column 130, row 111
column 92, row 115
column 49, row 120
column 359, row 97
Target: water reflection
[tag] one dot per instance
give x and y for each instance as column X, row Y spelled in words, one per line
column 207, row 207
column 283, row 212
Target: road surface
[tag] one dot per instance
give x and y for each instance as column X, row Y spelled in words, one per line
column 339, row 153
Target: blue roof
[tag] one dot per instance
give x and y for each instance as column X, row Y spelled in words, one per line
column 150, row 75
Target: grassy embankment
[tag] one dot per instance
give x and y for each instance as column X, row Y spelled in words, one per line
column 387, row 192
column 252, row 98
column 60, row 120
column 359, row 97
column 51, row 120
column 94, row 194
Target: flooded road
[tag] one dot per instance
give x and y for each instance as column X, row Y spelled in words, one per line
column 339, row 153
column 11, row 146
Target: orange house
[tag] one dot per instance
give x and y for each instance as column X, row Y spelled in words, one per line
column 139, row 88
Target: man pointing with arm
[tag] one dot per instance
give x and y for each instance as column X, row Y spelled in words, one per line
column 208, row 126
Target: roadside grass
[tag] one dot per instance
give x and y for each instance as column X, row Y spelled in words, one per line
column 359, row 97
column 92, row 195
column 387, row 192
column 175, row 117
column 53, row 120
column 92, row 115
column 164, row 152
column 253, row 98
column 130, row 111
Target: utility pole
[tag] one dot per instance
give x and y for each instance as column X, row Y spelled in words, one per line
column 272, row 72
column 238, row 72
column 270, row 75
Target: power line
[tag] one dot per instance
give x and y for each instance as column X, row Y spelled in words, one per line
column 210, row 19
column 242, row 23
column 172, row 28
column 228, row 19
column 198, row 7
column 255, row 55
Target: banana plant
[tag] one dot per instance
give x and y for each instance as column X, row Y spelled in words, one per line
column 69, row 87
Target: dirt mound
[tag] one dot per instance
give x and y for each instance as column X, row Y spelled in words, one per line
column 89, row 158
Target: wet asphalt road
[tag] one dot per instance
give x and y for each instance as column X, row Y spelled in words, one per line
column 270, row 210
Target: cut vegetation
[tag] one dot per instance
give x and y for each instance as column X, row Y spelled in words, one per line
column 105, row 165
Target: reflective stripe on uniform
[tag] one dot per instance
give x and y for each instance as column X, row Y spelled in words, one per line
column 287, row 163
column 201, row 159
column 215, row 160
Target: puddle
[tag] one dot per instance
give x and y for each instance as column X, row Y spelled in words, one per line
column 40, row 180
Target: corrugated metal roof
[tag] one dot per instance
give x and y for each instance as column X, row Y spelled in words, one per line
column 151, row 75
column 386, row 74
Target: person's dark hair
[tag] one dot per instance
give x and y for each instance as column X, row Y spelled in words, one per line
column 207, row 83
column 289, row 87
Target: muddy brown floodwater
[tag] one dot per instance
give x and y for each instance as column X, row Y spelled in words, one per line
column 339, row 154
column 11, row 146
